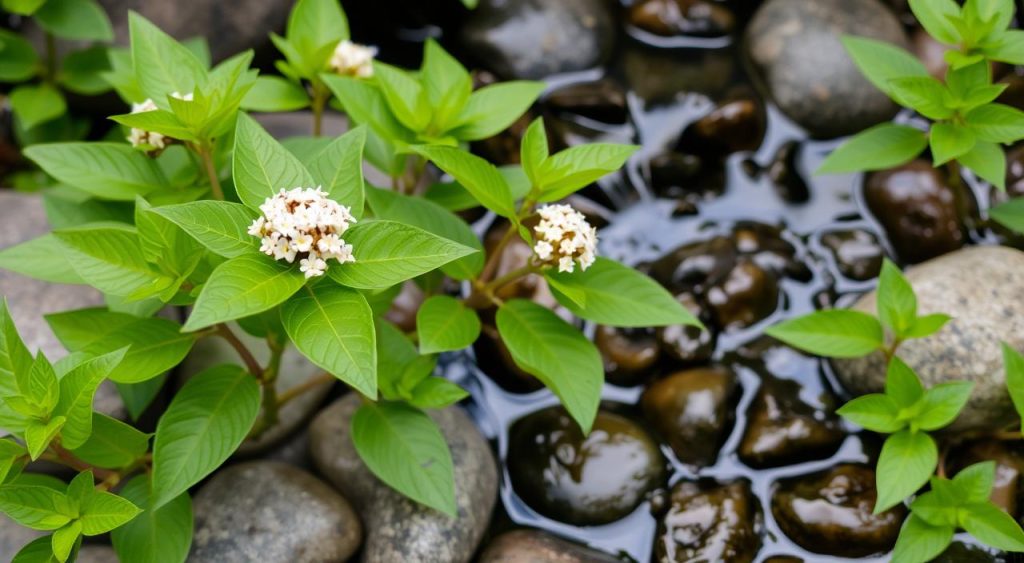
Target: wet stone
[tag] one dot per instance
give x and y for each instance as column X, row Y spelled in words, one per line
column 785, row 176
column 709, row 522
column 960, row 552
column 783, row 429
column 693, row 18
column 685, row 343
column 921, row 214
column 602, row 100
column 628, row 353
column 273, row 513
column 831, row 513
column 686, row 177
column 695, row 266
column 397, row 528
column 733, row 126
column 748, row 294
column 979, row 287
column 1009, row 459
column 583, row 480
column 857, row 253
column 796, row 52
column 535, row 546
column 693, row 411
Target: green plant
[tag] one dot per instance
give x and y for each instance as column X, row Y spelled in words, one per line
column 907, row 412
column 287, row 242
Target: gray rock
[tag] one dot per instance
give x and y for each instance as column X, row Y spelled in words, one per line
column 398, row 529
column 97, row 554
column 230, row 27
column 13, row 537
column 293, row 451
column 537, row 38
column 534, row 546
column 295, row 369
column 271, row 512
column 980, row 288
column 795, row 48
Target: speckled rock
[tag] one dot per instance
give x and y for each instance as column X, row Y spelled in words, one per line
column 534, row 546
column 980, row 288
column 398, row 529
column 537, row 38
column 13, row 537
column 295, row 369
column 272, row 513
column 97, row 554
column 795, row 48
column 709, row 522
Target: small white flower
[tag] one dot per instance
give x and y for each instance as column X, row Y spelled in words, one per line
column 353, row 59
column 304, row 223
column 565, row 238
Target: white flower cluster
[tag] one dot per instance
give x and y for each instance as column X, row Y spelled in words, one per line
column 304, row 223
column 152, row 139
column 565, row 238
column 353, row 59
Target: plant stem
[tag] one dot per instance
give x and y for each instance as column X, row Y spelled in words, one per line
column 318, row 102
column 311, row 383
column 250, row 361
column 953, row 170
column 510, row 277
column 68, row 459
column 206, row 154
column 51, row 57
column 495, row 257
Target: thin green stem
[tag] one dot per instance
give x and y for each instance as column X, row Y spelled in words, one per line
column 291, row 393
column 51, row 57
column 318, row 102
column 206, row 154
column 510, row 277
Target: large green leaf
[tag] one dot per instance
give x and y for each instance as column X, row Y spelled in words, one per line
column 333, row 327
column 388, row 253
column 556, row 353
column 110, row 258
column 491, row 109
column 315, row 23
column 906, row 462
column 221, row 226
column 444, row 323
column 243, row 286
column 75, row 19
column 834, row 333
column 36, row 507
column 579, row 166
column 367, row 105
column 406, row 450
column 162, row 65
column 112, row 444
column 202, row 427
column 163, row 535
column 880, row 147
column 338, row 169
column 105, row 170
column 262, row 167
column 478, row 176
column 883, row 62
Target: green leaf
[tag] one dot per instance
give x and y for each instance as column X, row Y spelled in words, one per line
column 880, row 147
column 942, row 404
column 491, row 109
column 163, row 535
column 105, row 170
column 338, row 169
column 897, row 304
column 366, row 104
column 1009, row 48
column 38, row 435
column 36, row 507
column 112, row 444
column 40, row 385
column 64, row 539
column 159, row 121
column 1010, row 214
column 875, row 412
column 883, row 62
column 221, row 226
column 988, row 161
column 202, row 427
column 273, row 93
column 13, row 457
column 919, row 541
column 554, row 351
column 23, row 7
column 14, row 355
column 949, row 141
column 110, row 259
column 243, row 286
column 82, row 71
column 39, row 550
column 102, row 512
column 924, row 94
column 995, row 528
column 315, row 23
column 534, row 150
column 405, row 96
column 579, row 166
column 617, row 295
column 333, row 327
column 261, row 166
column 475, row 174
column 444, row 324
column 162, row 65
column 996, row 123
column 406, row 450
column 431, row 217
column 935, row 16
column 938, row 506
column 436, row 393
column 37, row 103
column 975, row 481
column 927, row 325
column 387, row 253
column 75, row 19
column 77, row 389
column 1013, row 363
column 18, row 61
column 906, row 462
column 902, row 384
column 446, row 83
column 833, row 333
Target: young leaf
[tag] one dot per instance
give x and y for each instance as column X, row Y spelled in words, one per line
column 919, row 541
column 534, row 150
column 949, row 141
column 14, row 355
column 77, row 389
column 883, row 146
column 875, row 412
column 38, row 435
column 988, row 161
column 261, row 167
column 974, row 482
column 366, row 104
column 315, row 23
column 36, row 507
column 942, row 404
column 446, row 84
column 554, row 351
column 64, row 539
column 882, row 62
column 617, row 295
column 220, row 226
column 163, row 535
column 162, row 65
column 1009, row 48
column 936, row 16
column 924, row 94
column 988, row 523
column 444, row 323
column 404, row 94
column 333, row 327
column 996, row 123
column 491, row 109
column 834, row 333
column 475, row 174
column 112, row 444
column 338, row 169
column 273, row 93
column 1013, row 363
column 897, row 304
column 34, row 104
column 906, row 462
column 406, row 450
column 436, row 393
column 243, row 286
column 106, row 170
column 388, row 253
column 110, row 259
column 927, row 325
column 902, row 384
column 577, row 167
column 75, row 19
column 19, row 61
column 204, row 424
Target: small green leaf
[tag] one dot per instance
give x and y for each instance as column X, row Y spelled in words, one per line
column 82, row 71
column 64, row 539
column 996, row 123
column 995, row 528
column 444, row 323
column 880, row 147
column 1009, row 48
column 406, row 450
column 949, row 141
column 244, row 286
column 875, row 412
column 261, row 167
column 906, row 462
column 902, row 384
column 221, row 226
column 475, row 174
column 315, row 23
column 162, row 535
column 975, row 481
column 366, row 104
column 491, row 109
column 446, row 83
column 162, row 65
column 927, row 325
column 14, row 355
column 110, row 258
column 404, row 95
column 1013, row 364
column 203, row 425
column 273, row 93
column 833, row 333
column 924, row 94
column 112, row 444
column 75, row 19
column 534, row 150
column 920, row 542
column 39, row 550
column 36, row 507
column 883, row 62
column 338, row 169
column 436, row 393
column 38, row 435
column 897, row 304
column 577, row 167
column 77, row 389
column 18, row 61
column 102, row 512
column 942, row 404
column 935, row 16
column 988, row 161
column 34, row 104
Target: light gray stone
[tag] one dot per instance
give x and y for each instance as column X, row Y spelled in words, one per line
column 980, row 287
column 13, row 537
column 795, row 49
column 271, row 512
column 398, row 529
column 97, row 554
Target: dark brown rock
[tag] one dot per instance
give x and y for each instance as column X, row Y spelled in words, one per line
column 857, row 253
column 733, row 126
column 602, row 100
column 709, row 522
column 692, row 411
column 694, row 18
column 745, row 296
column 628, row 353
column 686, row 343
column 535, row 546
